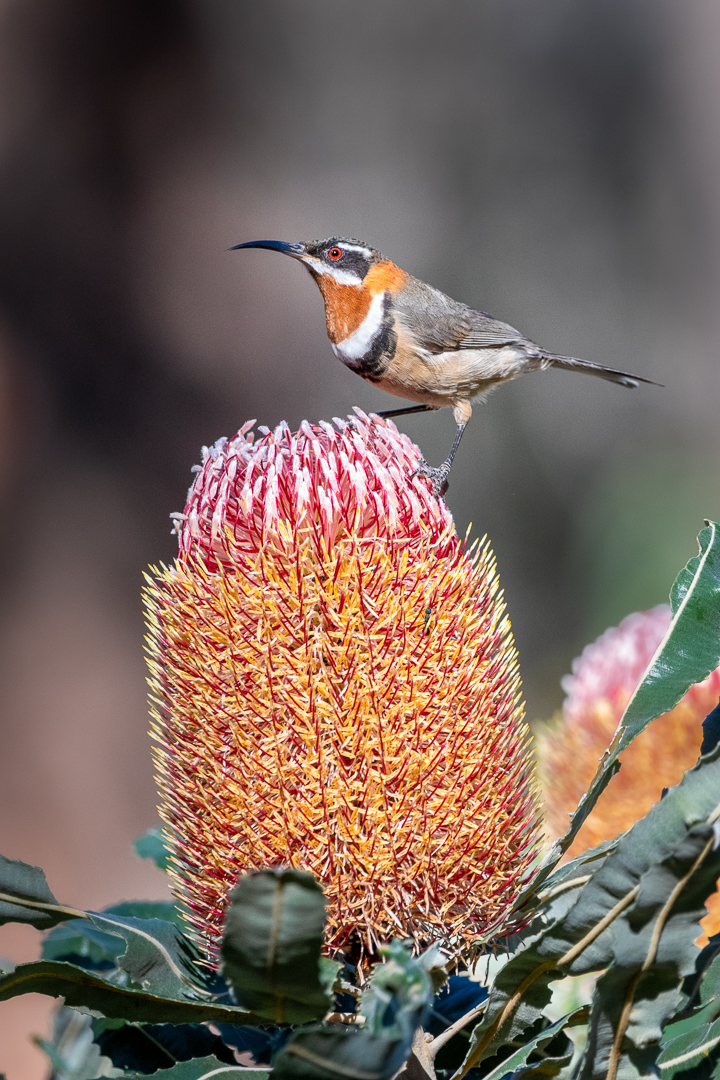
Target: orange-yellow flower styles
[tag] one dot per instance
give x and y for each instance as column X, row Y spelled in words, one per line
column 335, row 688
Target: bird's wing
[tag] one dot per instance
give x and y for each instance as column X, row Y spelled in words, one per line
column 488, row 331
column 441, row 324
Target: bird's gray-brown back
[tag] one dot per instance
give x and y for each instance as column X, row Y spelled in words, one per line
column 440, row 324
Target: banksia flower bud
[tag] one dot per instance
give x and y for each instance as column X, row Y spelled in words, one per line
column 569, row 748
column 335, row 688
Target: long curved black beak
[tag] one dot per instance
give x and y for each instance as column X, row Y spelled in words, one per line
column 296, row 250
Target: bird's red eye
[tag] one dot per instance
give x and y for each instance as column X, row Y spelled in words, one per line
column 335, row 253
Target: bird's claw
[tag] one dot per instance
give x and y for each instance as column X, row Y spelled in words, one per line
column 439, row 476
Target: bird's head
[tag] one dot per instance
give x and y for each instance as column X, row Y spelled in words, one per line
column 352, row 277
column 344, row 260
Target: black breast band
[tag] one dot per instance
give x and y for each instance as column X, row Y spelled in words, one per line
column 374, row 363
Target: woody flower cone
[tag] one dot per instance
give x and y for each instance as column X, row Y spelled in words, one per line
column 335, row 688
column 569, row 747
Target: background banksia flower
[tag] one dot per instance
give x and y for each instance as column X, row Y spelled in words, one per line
column 335, row 688
column 569, row 747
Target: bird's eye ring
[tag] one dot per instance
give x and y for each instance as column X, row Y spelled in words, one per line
column 335, row 253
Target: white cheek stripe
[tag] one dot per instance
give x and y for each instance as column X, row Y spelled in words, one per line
column 343, row 277
column 355, row 345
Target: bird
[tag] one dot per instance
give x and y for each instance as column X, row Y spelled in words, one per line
column 413, row 341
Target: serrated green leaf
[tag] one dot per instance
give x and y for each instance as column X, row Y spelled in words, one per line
column 653, row 952
column 516, row 1061
column 156, row 955
column 89, row 993
column 322, row 1053
column 581, row 939
column 710, row 982
column 702, row 1007
column 699, row 1020
column 206, row 1068
column 82, row 938
column 19, row 880
column 549, row 1066
column 581, row 867
column 688, row 653
column 272, row 942
column 516, row 1001
column 687, row 1051
column 79, row 937
column 561, row 890
column 151, row 845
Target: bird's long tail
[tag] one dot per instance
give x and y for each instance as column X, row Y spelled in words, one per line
column 571, row 363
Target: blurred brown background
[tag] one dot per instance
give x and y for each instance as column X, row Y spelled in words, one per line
column 555, row 163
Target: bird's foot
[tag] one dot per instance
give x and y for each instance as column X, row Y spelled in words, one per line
column 439, row 476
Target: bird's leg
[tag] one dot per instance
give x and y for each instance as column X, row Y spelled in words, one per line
column 439, row 476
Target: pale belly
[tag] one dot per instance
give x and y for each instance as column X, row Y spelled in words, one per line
column 454, row 376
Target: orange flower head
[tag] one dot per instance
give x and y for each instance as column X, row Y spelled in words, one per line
column 604, row 679
column 335, row 688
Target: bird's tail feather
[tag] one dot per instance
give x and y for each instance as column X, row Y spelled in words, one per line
column 572, row 363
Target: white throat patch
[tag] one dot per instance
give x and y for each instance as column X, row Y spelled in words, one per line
column 343, row 277
column 357, row 344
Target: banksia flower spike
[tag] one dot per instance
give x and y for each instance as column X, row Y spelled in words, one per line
column 335, row 688
column 602, row 682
